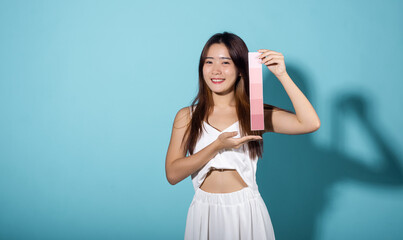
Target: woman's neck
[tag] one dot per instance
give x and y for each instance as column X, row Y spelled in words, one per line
column 223, row 101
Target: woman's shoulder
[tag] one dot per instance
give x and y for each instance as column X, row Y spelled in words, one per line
column 186, row 110
column 183, row 116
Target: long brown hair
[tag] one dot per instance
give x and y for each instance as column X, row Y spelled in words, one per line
column 239, row 54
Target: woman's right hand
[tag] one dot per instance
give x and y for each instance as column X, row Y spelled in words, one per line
column 226, row 140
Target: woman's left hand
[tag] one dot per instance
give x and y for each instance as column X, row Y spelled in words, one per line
column 274, row 61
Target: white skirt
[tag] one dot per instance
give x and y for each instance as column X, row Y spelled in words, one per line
column 239, row 215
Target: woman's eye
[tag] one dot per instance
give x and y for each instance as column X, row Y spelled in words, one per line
column 226, row 62
column 208, row 61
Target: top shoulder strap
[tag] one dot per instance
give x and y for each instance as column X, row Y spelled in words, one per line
column 190, row 111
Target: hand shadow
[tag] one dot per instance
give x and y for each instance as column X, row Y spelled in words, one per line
column 295, row 176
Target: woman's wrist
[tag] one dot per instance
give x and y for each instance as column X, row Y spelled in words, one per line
column 217, row 145
column 282, row 76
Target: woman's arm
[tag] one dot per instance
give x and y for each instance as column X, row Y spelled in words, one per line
column 177, row 165
column 305, row 120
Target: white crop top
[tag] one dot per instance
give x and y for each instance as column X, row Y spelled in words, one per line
column 225, row 159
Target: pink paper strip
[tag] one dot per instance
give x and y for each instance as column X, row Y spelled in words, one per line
column 256, row 92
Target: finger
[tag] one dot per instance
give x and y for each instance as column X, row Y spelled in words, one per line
column 278, row 58
column 266, row 51
column 269, row 53
column 254, row 139
column 275, row 59
column 249, row 138
column 271, row 56
column 252, row 136
column 272, row 62
column 229, row 134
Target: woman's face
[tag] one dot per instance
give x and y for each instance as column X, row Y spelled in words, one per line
column 219, row 70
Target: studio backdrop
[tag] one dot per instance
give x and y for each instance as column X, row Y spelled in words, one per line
column 89, row 91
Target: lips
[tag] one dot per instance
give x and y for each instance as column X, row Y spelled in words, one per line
column 217, row 80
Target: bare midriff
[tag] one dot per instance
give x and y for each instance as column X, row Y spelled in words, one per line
column 222, row 181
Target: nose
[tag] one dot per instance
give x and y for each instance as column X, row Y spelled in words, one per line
column 216, row 68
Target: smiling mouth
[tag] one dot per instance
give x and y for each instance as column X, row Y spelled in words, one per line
column 217, row 80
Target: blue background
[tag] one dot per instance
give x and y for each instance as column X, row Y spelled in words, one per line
column 89, row 91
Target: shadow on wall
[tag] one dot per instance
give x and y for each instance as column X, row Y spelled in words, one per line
column 295, row 176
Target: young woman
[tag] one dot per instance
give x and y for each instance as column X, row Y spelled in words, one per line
column 223, row 151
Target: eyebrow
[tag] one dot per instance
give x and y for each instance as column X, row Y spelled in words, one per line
column 220, row 58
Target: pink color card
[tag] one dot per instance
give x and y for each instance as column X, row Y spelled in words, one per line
column 256, row 92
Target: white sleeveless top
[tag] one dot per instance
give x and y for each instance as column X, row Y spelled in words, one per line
column 226, row 158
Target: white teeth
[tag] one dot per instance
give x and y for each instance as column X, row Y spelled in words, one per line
column 214, row 80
